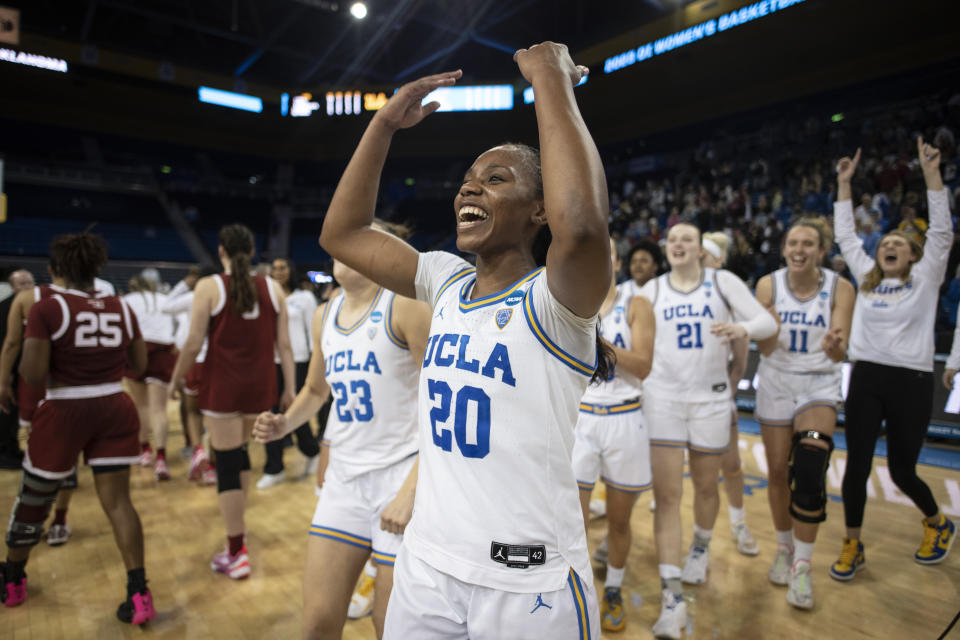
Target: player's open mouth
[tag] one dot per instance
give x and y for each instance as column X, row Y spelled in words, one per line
column 470, row 216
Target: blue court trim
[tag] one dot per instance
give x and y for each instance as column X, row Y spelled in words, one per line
column 607, row 409
column 943, row 457
column 388, row 325
column 363, row 318
column 493, row 298
column 531, row 315
column 580, row 603
column 627, row 488
column 340, row 536
column 450, row 281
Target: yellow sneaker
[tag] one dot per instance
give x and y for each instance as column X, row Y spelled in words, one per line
column 937, row 540
column 851, row 560
column 361, row 604
column 611, row 610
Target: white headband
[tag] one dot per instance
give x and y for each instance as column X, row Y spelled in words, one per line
column 712, row 248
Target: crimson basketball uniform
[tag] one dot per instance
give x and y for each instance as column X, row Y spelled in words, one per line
column 30, row 395
column 239, row 374
column 85, row 408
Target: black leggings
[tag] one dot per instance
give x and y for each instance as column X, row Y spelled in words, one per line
column 306, row 442
column 904, row 397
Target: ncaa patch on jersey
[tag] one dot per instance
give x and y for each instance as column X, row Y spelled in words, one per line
column 376, row 316
column 503, row 317
column 513, row 298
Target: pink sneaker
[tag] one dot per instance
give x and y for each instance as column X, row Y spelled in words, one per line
column 160, row 470
column 198, row 464
column 137, row 609
column 237, row 567
column 14, row 593
column 146, row 458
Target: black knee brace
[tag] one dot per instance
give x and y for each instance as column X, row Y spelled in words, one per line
column 31, row 509
column 807, row 475
column 230, row 463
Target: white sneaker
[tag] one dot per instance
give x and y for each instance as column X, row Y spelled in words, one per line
column 781, row 568
column 800, row 593
column 695, row 567
column 746, row 543
column 598, row 508
column 673, row 616
column 361, row 603
column 58, row 534
column 271, row 480
column 146, row 458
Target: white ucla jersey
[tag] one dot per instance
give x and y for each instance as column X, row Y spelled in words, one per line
column 497, row 502
column 689, row 362
column 803, row 323
column 373, row 382
column 615, row 329
column 155, row 325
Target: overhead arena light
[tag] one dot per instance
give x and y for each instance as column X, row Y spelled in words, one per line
column 230, row 99
column 358, row 10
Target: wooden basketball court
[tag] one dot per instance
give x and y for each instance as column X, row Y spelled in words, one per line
column 74, row 589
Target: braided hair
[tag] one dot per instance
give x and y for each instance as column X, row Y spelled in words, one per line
column 78, row 258
column 530, row 158
column 237, row 243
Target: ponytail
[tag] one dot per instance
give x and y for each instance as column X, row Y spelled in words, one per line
column 237, row 243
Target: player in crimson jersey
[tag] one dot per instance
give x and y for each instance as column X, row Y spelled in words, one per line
column 79, row 343
column 243, row 319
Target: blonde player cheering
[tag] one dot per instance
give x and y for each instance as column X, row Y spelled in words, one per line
column 891, row 342
column 687, row 403
column 496, row 547
column 370, row 343
column 798, row 396
column 611, row 441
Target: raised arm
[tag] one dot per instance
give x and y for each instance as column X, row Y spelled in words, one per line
column 939, row 237
column 576, row 203
column 347, row 234
column 179, row 300
column 765, row 298
column 843, row 227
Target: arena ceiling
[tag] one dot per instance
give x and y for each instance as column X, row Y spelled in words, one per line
column 301, row 43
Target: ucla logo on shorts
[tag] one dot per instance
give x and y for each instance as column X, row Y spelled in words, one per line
column 376, row 316
column 512, row 299
column 503, row 317
column 372, row 332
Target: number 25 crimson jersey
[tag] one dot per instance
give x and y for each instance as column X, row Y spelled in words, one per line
column 89, row 336
column 497, row 502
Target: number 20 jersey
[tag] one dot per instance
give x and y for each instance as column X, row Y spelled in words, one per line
column 689, row 362
column 373, row 382
column 803, row 323
column 499, row 390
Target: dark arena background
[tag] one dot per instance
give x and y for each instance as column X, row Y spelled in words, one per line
column 155, row 123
